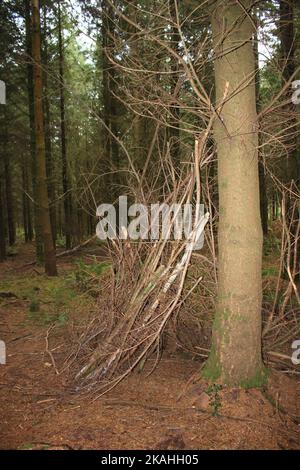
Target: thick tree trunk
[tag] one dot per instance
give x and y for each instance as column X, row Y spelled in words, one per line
column 48, row 135
column 41, row 178
column 37, row 225
column 65, row 182
column 235, row 357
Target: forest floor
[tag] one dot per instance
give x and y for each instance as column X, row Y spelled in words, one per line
column 170, row 409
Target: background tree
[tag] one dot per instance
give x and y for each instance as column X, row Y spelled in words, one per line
column 291, row 180
column 43, row 213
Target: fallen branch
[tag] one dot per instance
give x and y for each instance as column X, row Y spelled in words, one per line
column 66, row 252
column 76, row 248
column 48, row 350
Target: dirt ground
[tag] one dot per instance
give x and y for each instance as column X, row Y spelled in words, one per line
column 170, row 409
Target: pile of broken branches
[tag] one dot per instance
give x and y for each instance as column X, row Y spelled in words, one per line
column 147, row 282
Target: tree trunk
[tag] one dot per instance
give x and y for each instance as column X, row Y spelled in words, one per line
column 65, row 183
column 174, row 121
column 41, row 178
column 24, row 205
column 2, row 221
column 27, row 222
column 261, row 168
column 8, row 189
column 9, row 203
column 292, row 173
column 235, row 357
column 263, row 198
column 37, row 227
column 48, row 136
column 110, row 104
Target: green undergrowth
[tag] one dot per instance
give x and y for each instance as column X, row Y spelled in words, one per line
column 54, row 299
column 85, row 277
column 271, row 244
column 213, row 391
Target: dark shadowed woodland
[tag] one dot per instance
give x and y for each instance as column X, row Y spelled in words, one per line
column 140, row 343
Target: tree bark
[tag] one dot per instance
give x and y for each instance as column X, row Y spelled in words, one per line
column 174, row 121
column 235, row 357
column 48, row 134
column 110, row 105
column 8, row 189
column 292, row 173
column 27, row 214
column 41, row 178
column 9, row 203
column 261, row 168
column 2, row 220
column 37, row 227
column 65, row 182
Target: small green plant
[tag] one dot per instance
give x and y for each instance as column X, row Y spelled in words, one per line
column 34, row 305
column 60, row 242
column 271, row 295
column 26, row 446
column 43, row 318
column 213, row 391
column 86, row 275
column 12, row 251
column 62, row 318
column 61, row 295
column 268, row 272
column 271, row 244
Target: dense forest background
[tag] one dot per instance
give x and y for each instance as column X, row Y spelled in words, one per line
column 108, row 91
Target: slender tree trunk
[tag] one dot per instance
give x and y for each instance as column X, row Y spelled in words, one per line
column 41, row 177
column 9, row 204
column 292, row 171
column 263, row 198
column 8, row 189
column 106, row 95
column 235, row 356
column 47, row 114
column 174, row 121
column 37, row 225
column 24, row 206
column 66, row 190
column 275, row 206
column 142, row 127
column 110, row 105
column 3, row 136
column 27, row 220
column 59, row 221
column 2, row 219
column 261, row 168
